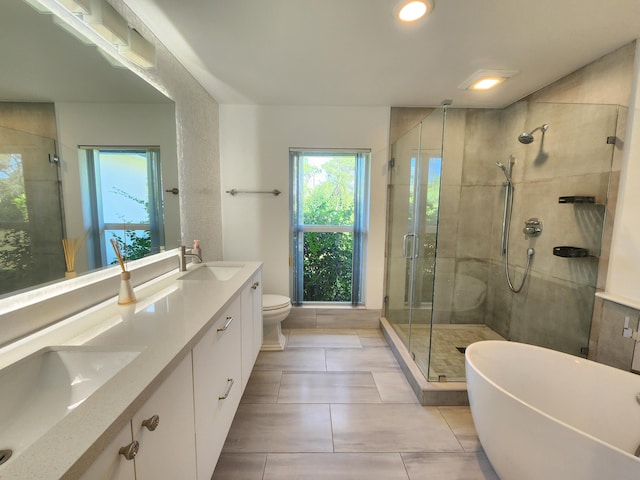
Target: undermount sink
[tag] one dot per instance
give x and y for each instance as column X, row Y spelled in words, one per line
column 39, row 390
column 212, row 271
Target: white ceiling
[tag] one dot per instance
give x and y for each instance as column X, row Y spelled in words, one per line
column 353, row 52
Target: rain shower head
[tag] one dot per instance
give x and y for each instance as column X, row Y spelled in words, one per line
column 527, row 137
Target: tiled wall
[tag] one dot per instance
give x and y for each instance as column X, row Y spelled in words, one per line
column 555, row 308
column 197, row 128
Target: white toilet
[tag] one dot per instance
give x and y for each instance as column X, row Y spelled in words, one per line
column 275, row 308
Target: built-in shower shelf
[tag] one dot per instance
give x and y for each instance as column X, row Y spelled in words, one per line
column 579, row 200
column 571, row 252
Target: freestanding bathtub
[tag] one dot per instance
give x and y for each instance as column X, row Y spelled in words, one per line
column 545, row 415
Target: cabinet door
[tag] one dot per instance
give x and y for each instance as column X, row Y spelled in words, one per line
column 217, row 386
column 251, row 326
column 110, row 465
column 167, row 450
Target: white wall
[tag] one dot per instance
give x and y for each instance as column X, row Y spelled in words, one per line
column 623, row 277
column 254, row 155
column 116, row 125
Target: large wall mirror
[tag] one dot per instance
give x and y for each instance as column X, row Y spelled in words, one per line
column 87, row 153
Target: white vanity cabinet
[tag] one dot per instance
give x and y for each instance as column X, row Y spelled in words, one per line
column 251, row 299
column 195, row 404
column 164, row 431
column 217, row 385
column 110, row 465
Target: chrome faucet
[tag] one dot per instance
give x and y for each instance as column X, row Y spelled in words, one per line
column 183, row 254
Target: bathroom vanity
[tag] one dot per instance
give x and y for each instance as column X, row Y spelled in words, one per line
column 144, row 391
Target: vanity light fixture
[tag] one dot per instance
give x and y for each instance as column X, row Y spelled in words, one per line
column 82, row 7
column 107, row 22
column 486, row 79
column 409, row 11
column 138, row 50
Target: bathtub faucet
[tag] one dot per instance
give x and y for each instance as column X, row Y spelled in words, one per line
column 183, row 254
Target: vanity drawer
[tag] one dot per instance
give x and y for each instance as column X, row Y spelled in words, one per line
column 217, row 386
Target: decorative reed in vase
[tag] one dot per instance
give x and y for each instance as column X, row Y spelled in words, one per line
column 126, row 294
column 70, row 247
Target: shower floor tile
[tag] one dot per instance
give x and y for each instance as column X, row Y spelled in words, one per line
column 446, row 357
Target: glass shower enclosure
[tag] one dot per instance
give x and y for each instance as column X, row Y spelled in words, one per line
column 445, row 266
column 30, row 197
column 412, row 226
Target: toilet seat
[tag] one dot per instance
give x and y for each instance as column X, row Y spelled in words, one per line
column 274, row 302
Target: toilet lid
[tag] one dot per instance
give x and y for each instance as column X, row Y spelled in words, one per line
column 274, row 302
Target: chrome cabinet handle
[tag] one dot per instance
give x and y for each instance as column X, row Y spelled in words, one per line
column 226, row 325
column 228, row 390
column 151, row 423
column 255, row 285
column 130, row 451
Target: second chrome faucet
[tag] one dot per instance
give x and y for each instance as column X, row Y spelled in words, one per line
column 183, row 254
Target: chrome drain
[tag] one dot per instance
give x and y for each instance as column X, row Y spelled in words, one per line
column 5, row 455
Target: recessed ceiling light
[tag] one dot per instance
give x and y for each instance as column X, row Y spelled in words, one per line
column 486, row 83
column 486, row 79
column 409, row 11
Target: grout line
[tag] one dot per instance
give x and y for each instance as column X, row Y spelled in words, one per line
column 264, row 465
column 451, row 428
column 404, row 465
column 279, row 387
column 333, row 443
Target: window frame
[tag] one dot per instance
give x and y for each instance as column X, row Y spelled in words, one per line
column 98, row 226
column 359, row 228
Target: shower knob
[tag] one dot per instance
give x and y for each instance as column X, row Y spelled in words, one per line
column 532, row 227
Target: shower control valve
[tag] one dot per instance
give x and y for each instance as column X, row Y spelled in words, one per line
column 532, row 227
column 629, row 332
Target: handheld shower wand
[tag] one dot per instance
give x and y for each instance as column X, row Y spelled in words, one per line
column 506, row 171
column 506, row 226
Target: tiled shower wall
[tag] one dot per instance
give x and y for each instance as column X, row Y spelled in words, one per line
column 555, row 307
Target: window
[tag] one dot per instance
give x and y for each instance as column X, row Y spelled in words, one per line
column 125, row 197
column 329, row 217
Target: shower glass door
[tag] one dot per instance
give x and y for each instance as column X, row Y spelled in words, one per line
column 414, row 194
column 30, row 199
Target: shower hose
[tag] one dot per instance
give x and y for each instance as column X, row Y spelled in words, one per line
column 530, row 251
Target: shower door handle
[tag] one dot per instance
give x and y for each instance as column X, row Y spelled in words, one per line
column 405, row 250
column 404, row 245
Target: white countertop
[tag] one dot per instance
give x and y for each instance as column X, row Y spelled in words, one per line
column 167, row 320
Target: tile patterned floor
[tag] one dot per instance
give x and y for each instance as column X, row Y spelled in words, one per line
column 446, row 359
column 335, row 406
